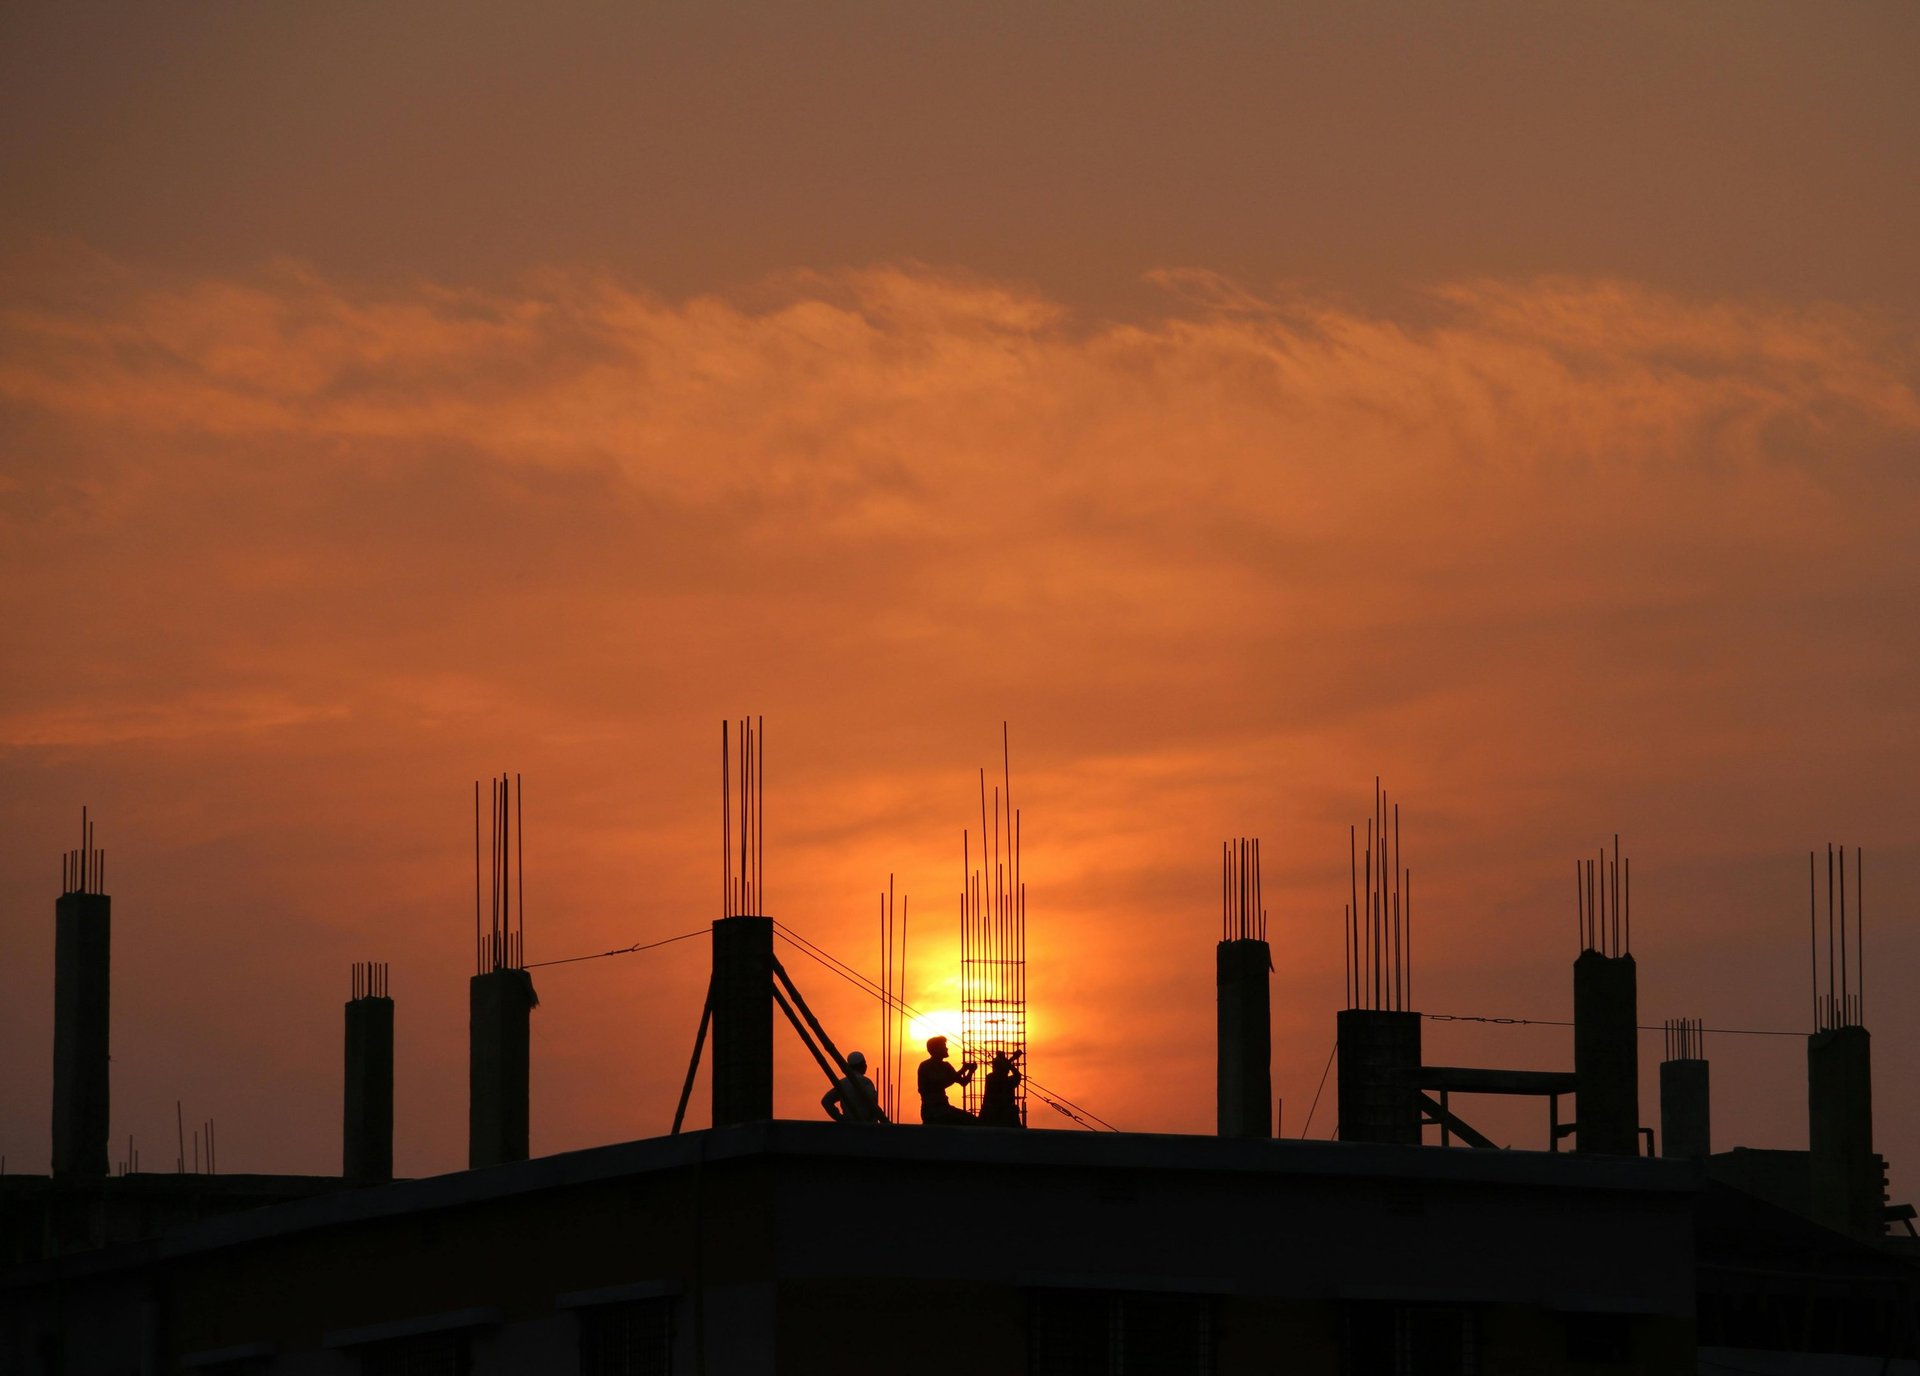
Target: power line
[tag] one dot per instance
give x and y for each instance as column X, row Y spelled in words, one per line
column 619, row 951
column 1643, row 1027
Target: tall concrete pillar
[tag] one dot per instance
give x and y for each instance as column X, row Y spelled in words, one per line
column 82, row 931
column 1379, row 1054
column 1845, row 1171
column 1245, row 1040
column 366, row 1156
column 1685, row 1120
column 1606, row 1054
column 742, row 1020
column 500, row 1007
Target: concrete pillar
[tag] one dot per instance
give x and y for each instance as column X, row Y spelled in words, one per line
column 1845, row 1171
column 1245, row 1040
column 742, row 1020
column 366, row 1156
column 82, row 931
column 1606, row 1054
column 1379, row 1059
column 500, row 1007
column 1685, row 1123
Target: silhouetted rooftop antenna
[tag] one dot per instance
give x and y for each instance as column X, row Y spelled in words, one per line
column 83, row 870
column 1603, row 902
column 1379, row 913
column 369, row 980
column 501, row 945
column 993, row 936
column 1841, row 1005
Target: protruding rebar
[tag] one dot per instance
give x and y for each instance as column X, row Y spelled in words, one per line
column 1378, row 916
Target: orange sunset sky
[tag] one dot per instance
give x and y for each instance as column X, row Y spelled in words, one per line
column 1517, row 401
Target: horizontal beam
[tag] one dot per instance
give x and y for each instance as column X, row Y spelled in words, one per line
column 1465, row 1080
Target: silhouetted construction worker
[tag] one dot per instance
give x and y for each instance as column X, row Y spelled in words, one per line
column 853, row 1099
column 936, row 1077
column 998, row 1106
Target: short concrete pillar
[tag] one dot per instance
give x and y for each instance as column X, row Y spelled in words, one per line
column 1606, row 1054
column 366, row 1156
column 1845, row 1172
column 500, row 1007
column 1242, row 971
column 1685, row 1121
column 82, row 944
column 742, row 1020
column 1379, row 1055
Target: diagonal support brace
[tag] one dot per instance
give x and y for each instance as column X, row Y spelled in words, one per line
column 806, row 1038
column 693, row 1065
column 786, row 982
column 1448, row 1119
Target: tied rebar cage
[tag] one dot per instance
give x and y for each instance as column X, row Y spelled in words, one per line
column 993, row 940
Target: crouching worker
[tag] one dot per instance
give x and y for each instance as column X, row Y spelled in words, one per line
column 998, row 1106
column 936, row 1077
column 853, row 1099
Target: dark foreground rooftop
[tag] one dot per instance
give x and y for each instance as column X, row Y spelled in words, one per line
column 812, row 1246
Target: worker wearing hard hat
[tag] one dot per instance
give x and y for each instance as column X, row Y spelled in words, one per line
column 853, row 1099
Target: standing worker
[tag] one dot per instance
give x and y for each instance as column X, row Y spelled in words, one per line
column 854, row 1099
column 936, row 1077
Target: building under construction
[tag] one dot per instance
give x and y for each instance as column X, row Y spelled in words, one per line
column 1410, row 1244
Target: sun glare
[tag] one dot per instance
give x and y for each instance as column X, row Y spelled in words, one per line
column 940, row 1022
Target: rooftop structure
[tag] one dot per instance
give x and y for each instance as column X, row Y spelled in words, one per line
column 759, row 1246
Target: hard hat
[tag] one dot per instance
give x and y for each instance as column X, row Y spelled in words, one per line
column 856, row 1061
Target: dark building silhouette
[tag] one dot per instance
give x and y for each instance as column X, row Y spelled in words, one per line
column 1847, row 1177
column 500, row 1005
column 366, row 1154
column 83, row 938
column 82, row 987
column 742, row 1065
column 1379, row 1071
column 732, row 1250
column 1606, row 1054
column 1243, row 964
column 1686, row 1119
